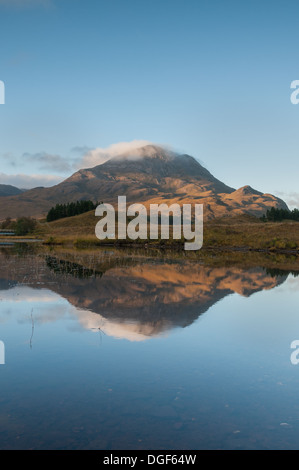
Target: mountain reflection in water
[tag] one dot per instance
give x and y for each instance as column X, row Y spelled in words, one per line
column 129, row 298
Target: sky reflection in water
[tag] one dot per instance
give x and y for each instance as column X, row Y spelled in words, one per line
column 154, row 355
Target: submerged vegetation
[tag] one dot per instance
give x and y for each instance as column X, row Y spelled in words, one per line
column 94, row 262
column 62, row 266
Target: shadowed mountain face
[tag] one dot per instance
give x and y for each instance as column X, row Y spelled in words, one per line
column 8, row 190
column 147, row 175
column 130, row 299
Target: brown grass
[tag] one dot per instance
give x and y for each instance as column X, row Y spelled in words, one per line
column 243, row 233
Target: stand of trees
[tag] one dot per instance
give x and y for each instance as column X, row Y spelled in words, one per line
column 21, row 226
column 70, row 209
column 24, row 225
column 277, row 215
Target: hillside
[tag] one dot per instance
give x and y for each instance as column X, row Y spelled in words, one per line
column 239, row 232
column 8, row 190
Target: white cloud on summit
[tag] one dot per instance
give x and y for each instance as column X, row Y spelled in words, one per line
column 101, row 155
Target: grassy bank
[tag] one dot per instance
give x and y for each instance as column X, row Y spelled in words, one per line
column 238, row 233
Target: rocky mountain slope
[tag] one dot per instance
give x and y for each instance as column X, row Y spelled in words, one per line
column 150, row 174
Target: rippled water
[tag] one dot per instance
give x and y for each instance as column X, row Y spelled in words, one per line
column 110, row 351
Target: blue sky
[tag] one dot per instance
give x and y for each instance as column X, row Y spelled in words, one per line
column 209, row 78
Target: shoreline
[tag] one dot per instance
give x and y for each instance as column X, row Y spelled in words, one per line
column 93, row 244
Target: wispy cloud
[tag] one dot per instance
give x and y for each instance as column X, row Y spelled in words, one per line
column 100, row 155
column 79, row 158
column 80, row 151
column 48, row 162
column 40, row 161
column 9, row 158
column 23, row 181
column 291, row 198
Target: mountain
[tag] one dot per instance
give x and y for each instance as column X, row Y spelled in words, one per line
column 8, row 190
column 150, row 174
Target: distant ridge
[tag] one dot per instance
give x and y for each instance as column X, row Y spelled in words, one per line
column 8, row 190
column 150, row 174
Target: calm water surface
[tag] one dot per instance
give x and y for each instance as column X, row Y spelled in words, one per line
column 105, row 351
